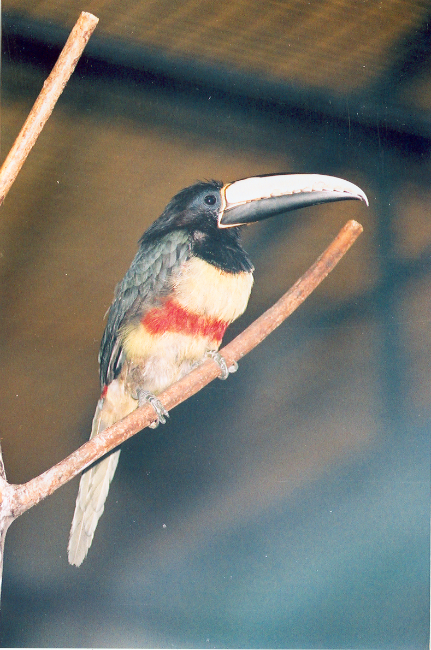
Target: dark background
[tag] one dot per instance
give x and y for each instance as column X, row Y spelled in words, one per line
column 289, row 506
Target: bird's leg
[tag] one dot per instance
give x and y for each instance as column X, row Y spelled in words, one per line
column 221, row 362
column 145, row 397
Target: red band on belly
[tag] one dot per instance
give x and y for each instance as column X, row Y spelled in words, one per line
column 174, row 318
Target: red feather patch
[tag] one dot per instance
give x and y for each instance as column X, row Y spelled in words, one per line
column 174, row 318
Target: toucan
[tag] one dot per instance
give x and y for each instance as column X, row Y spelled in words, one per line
column 189, row 280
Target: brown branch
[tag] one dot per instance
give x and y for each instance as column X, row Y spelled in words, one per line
column 23, row 497
column 39, row 114
column 44, row 104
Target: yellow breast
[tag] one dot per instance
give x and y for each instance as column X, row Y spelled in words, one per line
column 208, row 291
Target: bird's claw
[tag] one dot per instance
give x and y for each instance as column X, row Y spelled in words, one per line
column 145, row 397
column 221, row 362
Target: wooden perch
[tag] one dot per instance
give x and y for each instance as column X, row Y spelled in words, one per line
column 39, row 114
column 44, row 104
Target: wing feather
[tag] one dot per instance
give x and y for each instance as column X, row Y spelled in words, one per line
column 146, row 282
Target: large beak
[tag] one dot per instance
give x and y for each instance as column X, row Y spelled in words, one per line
column 261, row 197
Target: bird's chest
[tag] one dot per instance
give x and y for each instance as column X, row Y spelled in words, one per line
column 173, row 336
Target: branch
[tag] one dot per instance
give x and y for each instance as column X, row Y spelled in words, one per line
column 23, row 497
column 44, row 104
column 39, row 114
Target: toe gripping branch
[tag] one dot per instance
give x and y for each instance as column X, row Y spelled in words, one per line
column 145, row 397
column 221, row 362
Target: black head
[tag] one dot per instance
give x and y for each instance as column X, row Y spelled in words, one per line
column 197, row 210
column 197, row 206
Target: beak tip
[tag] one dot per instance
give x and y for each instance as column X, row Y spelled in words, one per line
column 363, row 197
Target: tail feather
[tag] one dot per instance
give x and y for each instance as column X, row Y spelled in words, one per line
column 90, row 504
column 93, row 488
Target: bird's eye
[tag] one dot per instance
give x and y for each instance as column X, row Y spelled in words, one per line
column 210, row 199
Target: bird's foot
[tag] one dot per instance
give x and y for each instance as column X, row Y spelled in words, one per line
column 221, row 362
column 145, row 397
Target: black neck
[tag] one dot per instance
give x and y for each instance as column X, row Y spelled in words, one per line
column 222, row 249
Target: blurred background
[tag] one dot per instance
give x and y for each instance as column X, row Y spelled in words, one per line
column 289, row 506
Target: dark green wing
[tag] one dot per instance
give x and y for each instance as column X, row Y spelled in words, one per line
column 146, row 282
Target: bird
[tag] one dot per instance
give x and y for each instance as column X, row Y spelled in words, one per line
column 190, row 279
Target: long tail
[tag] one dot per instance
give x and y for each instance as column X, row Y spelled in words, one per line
column 95, row 482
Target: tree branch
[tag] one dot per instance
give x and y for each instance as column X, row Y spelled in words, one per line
column 44, row 104
column 39, row 114
column 29, row 494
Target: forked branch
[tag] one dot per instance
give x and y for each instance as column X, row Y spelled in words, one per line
column 39, row 114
